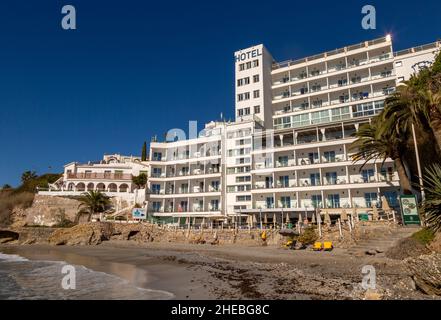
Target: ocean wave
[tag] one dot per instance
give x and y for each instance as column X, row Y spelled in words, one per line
column 11, row 257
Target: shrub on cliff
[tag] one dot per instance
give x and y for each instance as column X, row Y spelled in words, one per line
column 309, row 236
column 10, row 200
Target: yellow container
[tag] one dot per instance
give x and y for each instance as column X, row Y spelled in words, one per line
column 317, row 246
column 327, row 245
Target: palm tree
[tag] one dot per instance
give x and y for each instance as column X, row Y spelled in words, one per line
column 378, row 141
column 28, row 175
column 92, row 202
column 432, row 204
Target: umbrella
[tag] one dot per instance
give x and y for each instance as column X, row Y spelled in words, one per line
column 343, row 216
column 274, row 220
column 287, row 218
column 385, row 204
column 313, row 218
column 300, row 218
column 265, row 219
column 187, row 221
column 203, row 221
column 327, row 217
column 194, row 220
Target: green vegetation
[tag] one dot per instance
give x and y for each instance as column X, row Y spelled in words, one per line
column 92, row 202
column 432, row 204
column 309, row 236
column 144, row 152
column 415, row 104
column 32, row 184
column 6, row 187
column 140, row 181
column 424, row 236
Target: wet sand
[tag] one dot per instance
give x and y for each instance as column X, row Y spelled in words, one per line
column 231, row 272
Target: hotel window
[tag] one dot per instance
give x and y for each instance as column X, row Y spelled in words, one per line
column 156, row 188
column 368, row 175
column 246, row 80
column 247, row 111
column 256, row 93
column 243, row 198
column 240, row 97
column 256, row 78
column 249, row 65
column 370, row 198
column 329, row 156
column 156, row 206
column 333, row 200
column 320, row 116
column 240, row 112
column 157, row 156
column 316, row 201
column 400, row 79
column 246, row 96
column 256, row 109
column 269, row 202
column 242, row 67
column 255, row 63
column 286, row 202
column 239, row 82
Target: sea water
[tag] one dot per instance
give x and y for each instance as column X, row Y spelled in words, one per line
column 21, row 278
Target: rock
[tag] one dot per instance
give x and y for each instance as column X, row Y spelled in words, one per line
column 378, row 250
column 30, row 241
column 426, row 272
column 5, row 240
column 435, row 245
column 372, row 295
column 83, row 234
column 371, row 252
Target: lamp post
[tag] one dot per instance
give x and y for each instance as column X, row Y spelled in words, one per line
column 420, row 175
column 260, row 218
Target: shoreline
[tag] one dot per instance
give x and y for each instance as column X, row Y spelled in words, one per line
column 205, row 272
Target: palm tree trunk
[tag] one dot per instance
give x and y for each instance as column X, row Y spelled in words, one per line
column 404, row 179
column 435, row 124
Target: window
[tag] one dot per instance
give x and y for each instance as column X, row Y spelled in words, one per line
column 215, row 185
column 315, row 179
column 247, row 111
column 214, row 205
column 331, row 177
column 256, row 94
column 333, row 201
column 156, row 188
column 286, row 202
column 313, row 157
column 400, row 79
column 283, row 182
column 255, row 63
column 368, row 175
column 246, row 80
column 240, row 97
column 243, row 198
column 241, row 66
column 269, row 202
column 246, row 96
column 316, row 200
column 370, row 199
column 157, row 156
column 243, row 179
column 320, row 116
column 398, row 63
column 340, row 114
column 283, row 161
column 240, row 82
column 156, row 172
column 156, row 206
column 240, row 112
column 329, row 156
column 249, row 65
column 256, row 78
column 256, row 109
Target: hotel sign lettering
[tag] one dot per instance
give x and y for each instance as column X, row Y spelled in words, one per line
column 248, row 55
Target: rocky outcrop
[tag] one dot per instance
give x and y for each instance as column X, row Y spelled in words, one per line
column 83, row 234
column 426, row 272
column 46, row 211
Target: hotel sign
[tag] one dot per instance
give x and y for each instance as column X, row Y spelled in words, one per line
column 248, row 55
column 409, row 209
column 138, row 213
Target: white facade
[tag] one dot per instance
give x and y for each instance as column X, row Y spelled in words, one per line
column 288, row 150
column 112, row 176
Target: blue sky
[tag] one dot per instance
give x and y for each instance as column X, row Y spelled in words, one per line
column 134, row 68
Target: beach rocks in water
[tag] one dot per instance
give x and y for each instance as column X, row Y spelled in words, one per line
column 83, row 234
column 426, row 272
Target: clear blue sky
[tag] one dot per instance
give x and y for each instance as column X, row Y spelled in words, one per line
column 133, row 69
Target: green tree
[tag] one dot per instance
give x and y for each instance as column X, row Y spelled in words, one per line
column 144, row 152
column 92, row 202
column 28, row 175
column 378, row 141
column 6, row 186
column 140, row 181
column 432, row 204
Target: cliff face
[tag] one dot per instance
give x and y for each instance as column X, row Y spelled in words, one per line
column 45, row 211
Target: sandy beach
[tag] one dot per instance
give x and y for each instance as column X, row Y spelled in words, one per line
column 231, row 271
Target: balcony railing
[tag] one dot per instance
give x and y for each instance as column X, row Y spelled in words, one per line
column 100, row 176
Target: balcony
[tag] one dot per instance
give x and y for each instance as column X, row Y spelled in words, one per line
column 100, row 176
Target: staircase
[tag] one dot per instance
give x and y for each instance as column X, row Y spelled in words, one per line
column 382, row 242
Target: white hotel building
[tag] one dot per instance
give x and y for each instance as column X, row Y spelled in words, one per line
column 288, row 150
